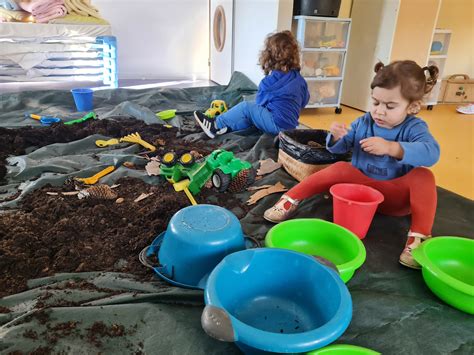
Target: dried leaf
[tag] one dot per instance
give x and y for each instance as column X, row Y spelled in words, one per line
column 153, row 168
column 196, row 154
column 278, row 187
column 314, row 144
column 114, row 186
column 254, row 188
column 268, row 166
column 142, row 197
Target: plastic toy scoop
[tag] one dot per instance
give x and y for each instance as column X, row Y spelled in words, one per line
column 93, row 179
column 104, row 143
column 44, row 120
column 166, row 114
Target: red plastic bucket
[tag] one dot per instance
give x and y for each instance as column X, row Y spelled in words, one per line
column 354, row 206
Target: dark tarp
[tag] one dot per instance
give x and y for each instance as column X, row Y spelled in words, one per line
column 394, row 312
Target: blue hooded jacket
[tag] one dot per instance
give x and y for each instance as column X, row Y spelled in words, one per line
column 284, row 95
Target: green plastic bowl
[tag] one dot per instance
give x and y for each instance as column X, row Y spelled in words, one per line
column 321, row 238
column 343, row 349
column 448, row 269
column 166, row 115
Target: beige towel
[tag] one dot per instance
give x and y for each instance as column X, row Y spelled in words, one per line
column 81, row 7
column 15, row 16
column 78, row 19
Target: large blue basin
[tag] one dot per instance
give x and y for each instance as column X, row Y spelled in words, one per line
column 275, row 301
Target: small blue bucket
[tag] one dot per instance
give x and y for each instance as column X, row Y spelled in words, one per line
column 196, row 240
column 272, row 300
column 83, row 98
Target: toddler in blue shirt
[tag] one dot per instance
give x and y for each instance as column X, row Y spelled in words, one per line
column 391, row 149
column 281, row 94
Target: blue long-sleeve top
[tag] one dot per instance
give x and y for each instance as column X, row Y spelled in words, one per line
column 284, row 95
column 419, row 147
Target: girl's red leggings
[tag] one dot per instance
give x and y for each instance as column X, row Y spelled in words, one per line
column 413, row 193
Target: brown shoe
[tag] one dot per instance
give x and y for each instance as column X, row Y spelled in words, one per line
column 414, row 240
column 282, row 210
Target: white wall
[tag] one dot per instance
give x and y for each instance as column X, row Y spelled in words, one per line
column 253, row 20
column 159, row 39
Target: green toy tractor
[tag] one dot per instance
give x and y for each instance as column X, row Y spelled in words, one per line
column 225, row 171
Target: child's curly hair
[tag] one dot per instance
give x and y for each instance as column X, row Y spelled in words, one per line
column 413, row 82
column 281, row 52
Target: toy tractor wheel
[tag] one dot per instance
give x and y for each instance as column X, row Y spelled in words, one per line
column 187, row 159
column 169, row 159
column 220, row 180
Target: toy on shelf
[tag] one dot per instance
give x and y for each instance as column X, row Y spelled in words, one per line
column 436, row 48
column 225, row 171
column 308, row 67
column 331, row 70
column 329, row 42
column 319, row 67
column 217, row 107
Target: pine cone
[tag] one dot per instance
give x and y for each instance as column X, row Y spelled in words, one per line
column 243, row 179
column 98, row 192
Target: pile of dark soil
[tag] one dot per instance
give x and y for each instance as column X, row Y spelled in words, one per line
column 49, row 234
column 16, row 141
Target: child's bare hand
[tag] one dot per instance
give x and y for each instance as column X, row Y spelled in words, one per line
column 376, row 146
column 338, row 130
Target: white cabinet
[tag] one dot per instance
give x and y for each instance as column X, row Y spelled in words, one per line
column 438, row 56
column 324, row 42
column 385, row 30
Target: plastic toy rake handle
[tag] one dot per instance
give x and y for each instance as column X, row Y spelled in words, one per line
column 190, row 196
column 82, row 119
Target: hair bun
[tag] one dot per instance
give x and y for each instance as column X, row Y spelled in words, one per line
column 434, row 72
column 378, row 66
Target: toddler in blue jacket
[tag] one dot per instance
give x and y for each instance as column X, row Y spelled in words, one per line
column 281, row 94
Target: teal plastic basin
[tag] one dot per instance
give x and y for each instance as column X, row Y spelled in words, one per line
column 320, row 238
column 448, row 270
